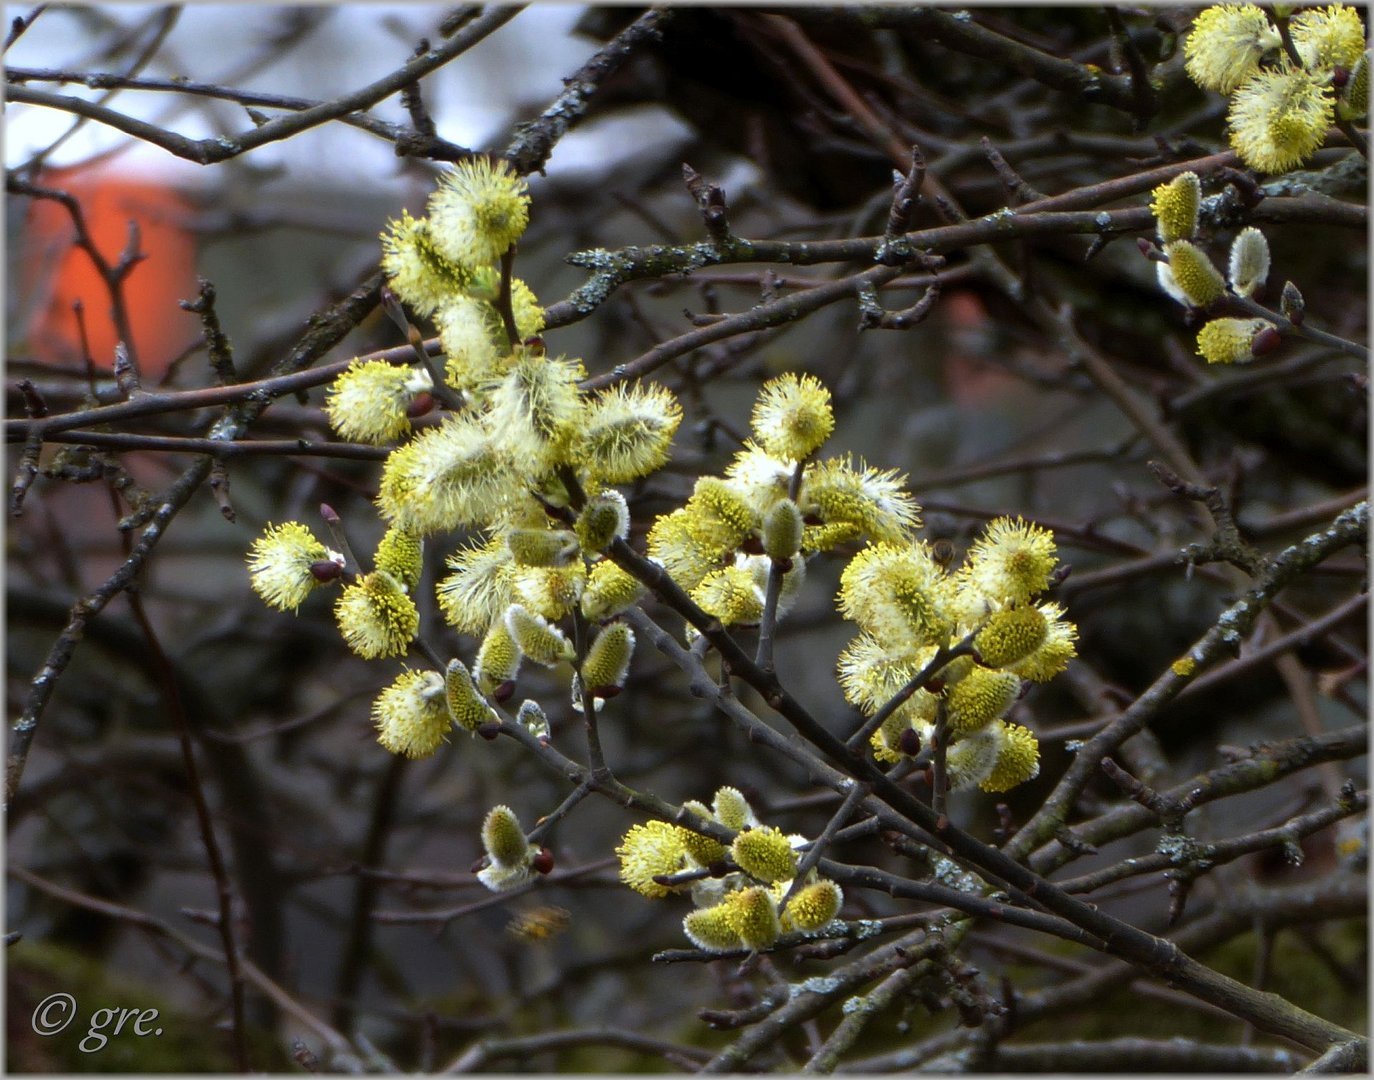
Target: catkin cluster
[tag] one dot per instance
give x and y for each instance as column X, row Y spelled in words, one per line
column 1188, row 275
column 525, row 461
column 738, row 890
column 1280, row 107
column 912, row 611
column 494, row 466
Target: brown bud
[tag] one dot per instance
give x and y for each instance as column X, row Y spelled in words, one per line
column 324, row 570
column 752, row 545
column 489, row 731
column 1291, row 304
column 543, row 862
column 910, row 742
column 420, row 404
column 1266, row 341
column 503, row 692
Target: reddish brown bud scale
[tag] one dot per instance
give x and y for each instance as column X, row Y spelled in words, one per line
column 325, row 570
column 751, row 545
column 420, row 404
column 503, row 692
column 1339, row 77
column 1266, row 341
column 910, row 742
column 543, row 862
column 489, row 731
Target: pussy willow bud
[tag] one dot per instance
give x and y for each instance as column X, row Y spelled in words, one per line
column 532, row 717
column 782, row 530
column 1010, row 635
column 701, row 848
column 1194, row 273
column 608, row 660
column 401, row 554
column 732, row 810
column 504, row 839
column 711, row 929
column 1018, row 760
column 1175, row 207
column 971, row 759
column 1291, row 304
column 467, row 707
column 498, row 660
column 541, row 547
column 815, row 905
column 764, row 853
column 1232, row 341
column 1249, row 262
column 542, row 643
column 753, row 917
column 603, row 518
column 1353, row 103
column 979, row 698
column 609, row 591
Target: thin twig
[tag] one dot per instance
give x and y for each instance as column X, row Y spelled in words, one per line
column 210, row 151
column 171, row 694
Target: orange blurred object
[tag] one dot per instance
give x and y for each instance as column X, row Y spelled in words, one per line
column 56, row 273
column 970, row 379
